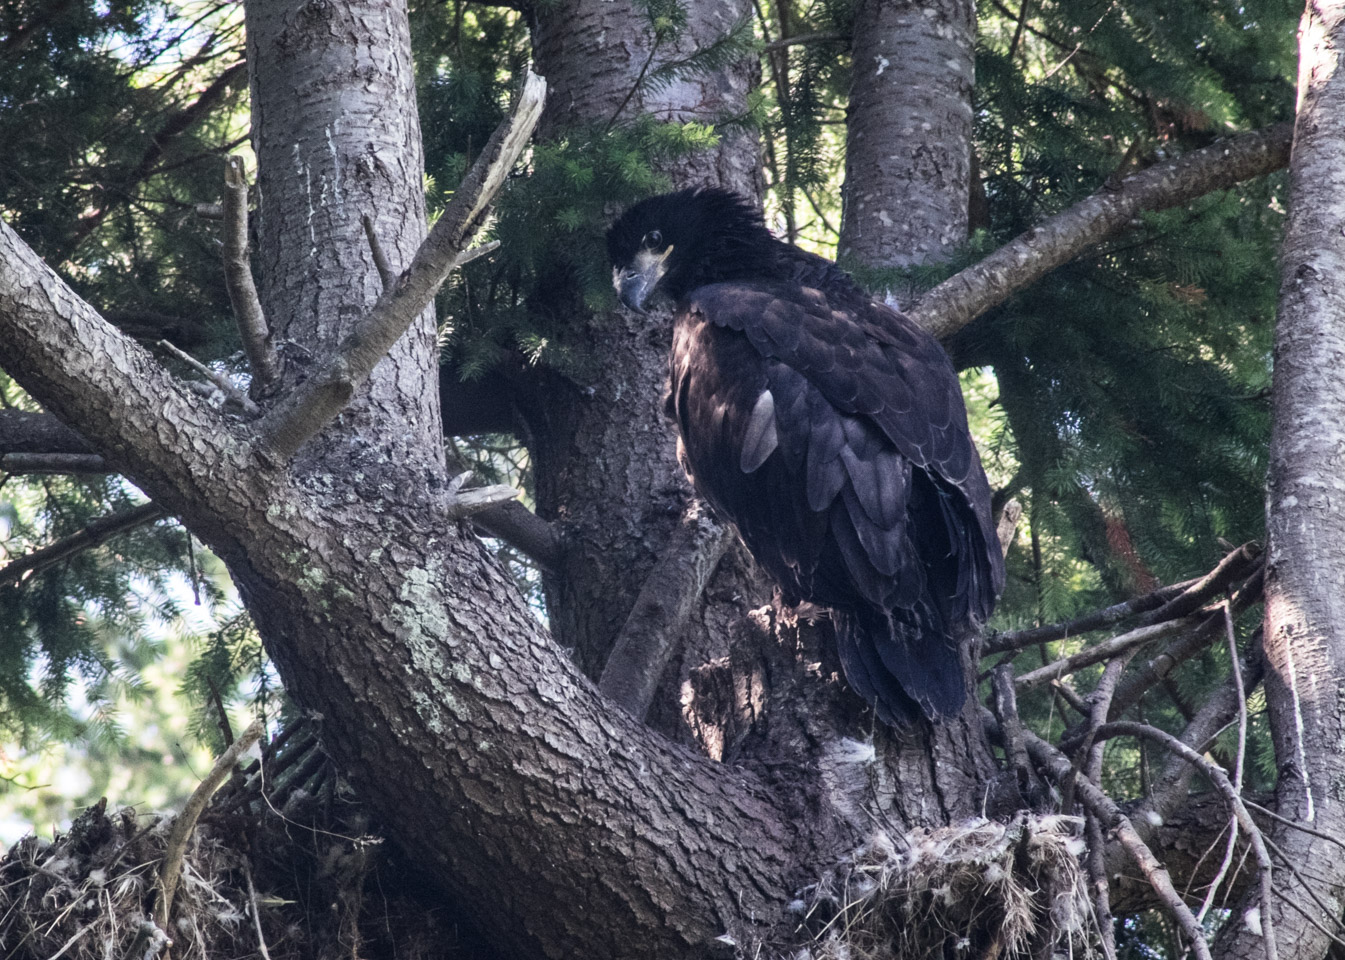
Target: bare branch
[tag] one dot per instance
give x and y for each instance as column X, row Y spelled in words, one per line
column 1217, row 776
column 1183, row 648
column 819, row 36
column 185, row 821
column 19, row 571
column 1058, row 239
column 516, row 525
column 654, row 626
column 218, row 379
column 1162, row 604
column 386, row 274
column 1114, row 821
column 1125, row 643
column 247, row 306
column 325, row 394
column 1108, row 616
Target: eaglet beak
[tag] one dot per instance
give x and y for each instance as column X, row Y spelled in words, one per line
column 635, row 283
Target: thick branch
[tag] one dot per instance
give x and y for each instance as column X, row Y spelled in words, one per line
column 325, row 394
column 95, row 534
column 523, row 530
column 247, row 306
column 650, row 634
column 960, row 299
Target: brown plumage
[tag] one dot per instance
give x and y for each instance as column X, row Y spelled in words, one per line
column 831, row 431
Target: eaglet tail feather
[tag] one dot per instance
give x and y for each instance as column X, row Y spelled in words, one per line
column 905, row 668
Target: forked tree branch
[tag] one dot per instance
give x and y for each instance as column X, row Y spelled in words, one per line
column 1055, row 241
column 1219, row 777
column 320, row 398
column 1113, row 821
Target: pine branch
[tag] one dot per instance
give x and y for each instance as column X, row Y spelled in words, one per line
column 1055, row 241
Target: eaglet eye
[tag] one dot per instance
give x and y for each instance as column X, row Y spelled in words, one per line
column 653, row 240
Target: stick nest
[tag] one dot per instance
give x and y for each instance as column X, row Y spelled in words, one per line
column 979, row 889
column 326, row 888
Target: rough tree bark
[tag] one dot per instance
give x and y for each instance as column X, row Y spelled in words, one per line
column 908, row 132
column 1305, row 614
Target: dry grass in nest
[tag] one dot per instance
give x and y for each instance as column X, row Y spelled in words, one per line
column 87, row 895
column 979, row 889
column 326, row 890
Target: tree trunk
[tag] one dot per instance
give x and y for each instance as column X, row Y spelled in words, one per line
column 908, row 132
column 329, row 150
column 603, row 451
column 1305, row 614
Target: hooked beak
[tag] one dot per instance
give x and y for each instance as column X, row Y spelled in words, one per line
column 635, row 283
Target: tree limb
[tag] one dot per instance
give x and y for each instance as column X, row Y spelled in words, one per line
column 185, row 821
column 96, row 533
column 320, row 398
column 529, row 534
column 1055, row 241
column 21, row 463
column 1219, row 777
column 669, row 594
column 22, row 431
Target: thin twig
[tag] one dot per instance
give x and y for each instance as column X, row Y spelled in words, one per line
column 1295, row 824
column 386, row 274
column 73, row 940
column 819, row 36
column 247, row 306
column 256, row 914
column 218, row 379
column 185, row 822
column 1237, row 762
column 1125, row 643
column 1097, row 620
column 95, row 534
column 1311, row 891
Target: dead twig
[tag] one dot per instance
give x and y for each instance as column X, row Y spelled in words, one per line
column 97, row 533
column 1114, row 821
column 185, row 822
column 247, row 306
column 226, row 387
